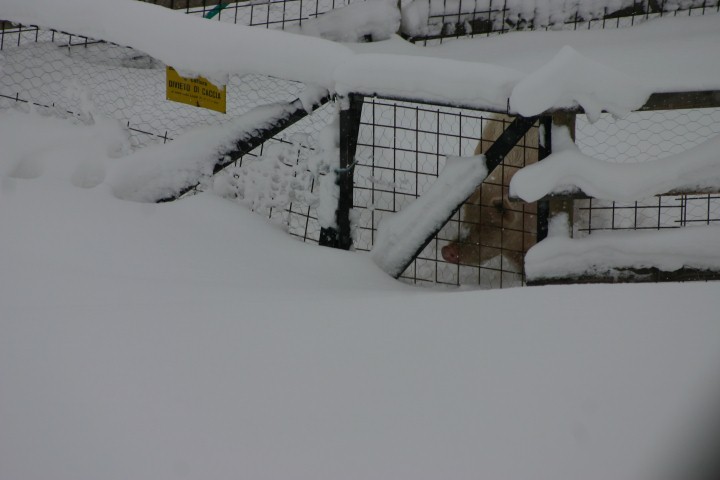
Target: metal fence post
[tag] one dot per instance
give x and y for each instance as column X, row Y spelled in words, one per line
column 341, row 235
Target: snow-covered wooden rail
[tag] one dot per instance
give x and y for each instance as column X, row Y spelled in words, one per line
column 276, row 119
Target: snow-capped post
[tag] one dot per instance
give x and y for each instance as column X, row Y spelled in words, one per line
column 563, row 205
column 406, row 239
column 340, row 236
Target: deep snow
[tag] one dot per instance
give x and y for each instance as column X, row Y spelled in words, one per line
column 193, row 340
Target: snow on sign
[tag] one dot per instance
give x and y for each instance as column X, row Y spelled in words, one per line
column 198, row 92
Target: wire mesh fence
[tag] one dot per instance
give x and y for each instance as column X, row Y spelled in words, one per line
column 281, row 179
column 71, row 76
column 270, row 13
column 640, row 137
column 63, row 71
column 402, row 147
column 431, row 21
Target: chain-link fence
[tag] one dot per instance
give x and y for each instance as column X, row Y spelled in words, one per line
column 75, row 77
column 639, row 137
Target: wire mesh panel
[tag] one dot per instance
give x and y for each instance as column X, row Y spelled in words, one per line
column 281, row 178
column 640, row 137
column 271, row 13
column 433, row 20
column 401, row 150
column 72, row 76
column 71, row 73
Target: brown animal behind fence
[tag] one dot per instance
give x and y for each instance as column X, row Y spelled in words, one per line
column 492, row 225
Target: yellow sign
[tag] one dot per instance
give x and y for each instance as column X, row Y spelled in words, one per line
column 198, row 92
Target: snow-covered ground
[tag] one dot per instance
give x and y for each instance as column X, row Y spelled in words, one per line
column 193, row 340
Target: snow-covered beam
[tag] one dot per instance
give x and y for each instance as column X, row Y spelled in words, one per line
column 658, row 255
column 681, row 100
column 250, row 136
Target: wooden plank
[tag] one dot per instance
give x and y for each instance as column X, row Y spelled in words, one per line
column 563, row 204
column 632, row 275
column 682, row 100
column 580, row 195
column 669, row 101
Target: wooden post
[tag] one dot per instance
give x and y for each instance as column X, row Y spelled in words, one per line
column 564, row 205
column 544, row 150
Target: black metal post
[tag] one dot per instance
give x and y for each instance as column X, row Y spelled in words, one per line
column 341, row 235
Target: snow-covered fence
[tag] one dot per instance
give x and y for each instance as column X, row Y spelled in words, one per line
column 77, row 77
column 431, row 20
column 654, row 177
column 71, row 73
column 642, row 137
column 270, row 13
column 402, row 147
column 375, row 175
